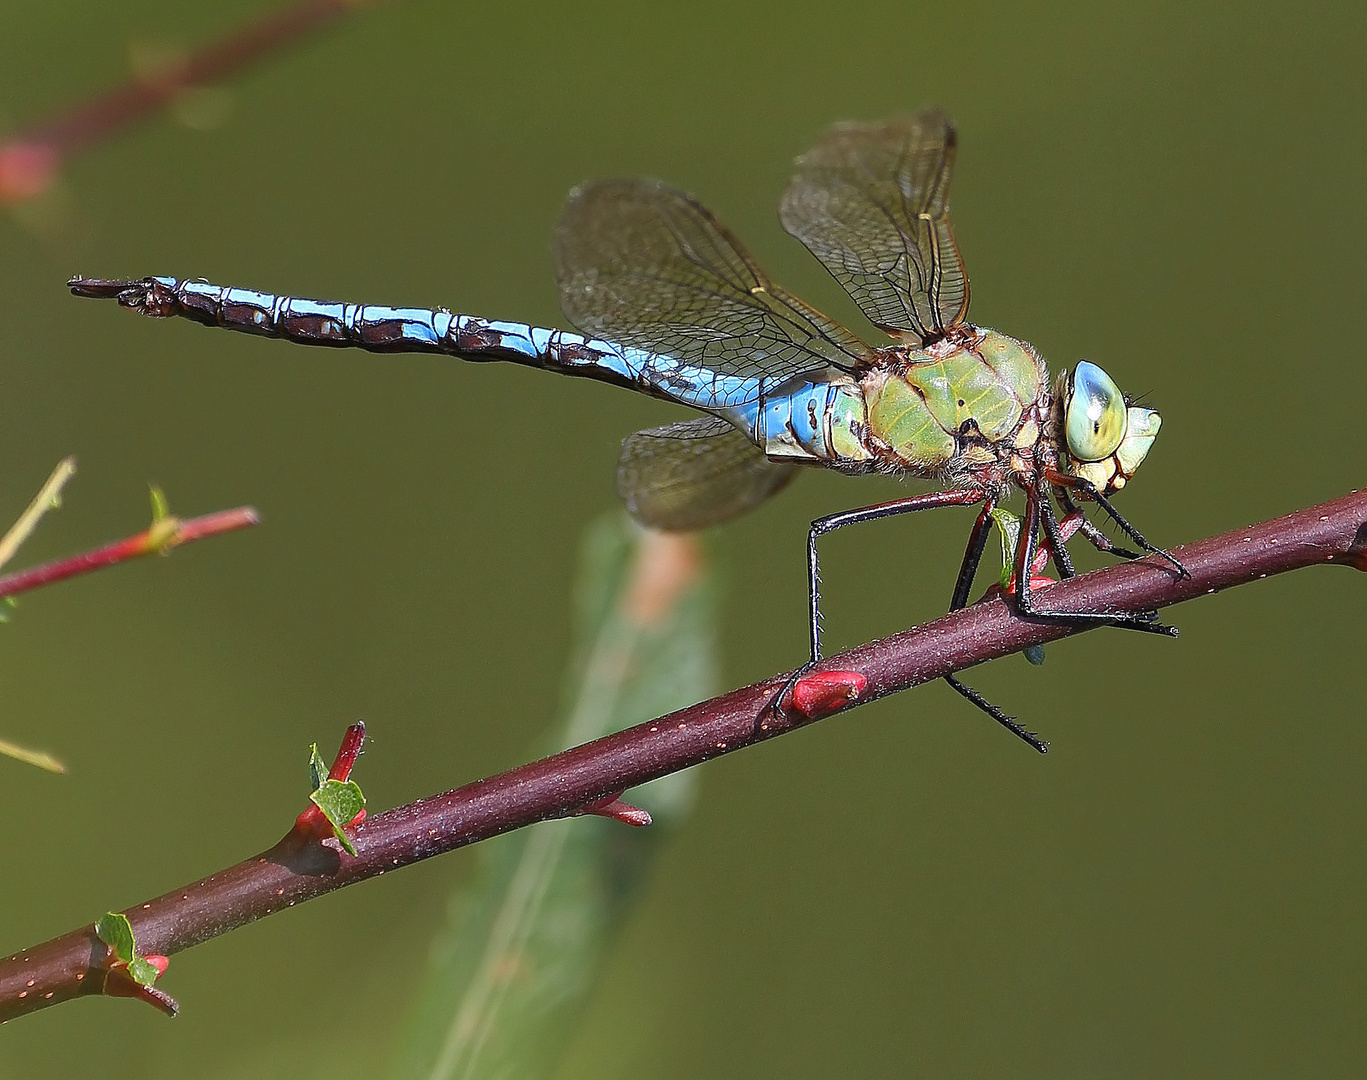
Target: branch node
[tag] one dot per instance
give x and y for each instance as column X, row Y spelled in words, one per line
column 336, row 801
column 118, row 982
column 820, row 693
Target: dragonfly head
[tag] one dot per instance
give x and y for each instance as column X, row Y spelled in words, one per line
column 1104, row 436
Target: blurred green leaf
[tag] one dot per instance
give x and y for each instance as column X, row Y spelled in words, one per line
column 525, row 941
column 160, row 507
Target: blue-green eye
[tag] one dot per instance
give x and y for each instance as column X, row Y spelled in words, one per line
column 1096, row 415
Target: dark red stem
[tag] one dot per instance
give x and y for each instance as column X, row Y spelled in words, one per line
column 298, row 869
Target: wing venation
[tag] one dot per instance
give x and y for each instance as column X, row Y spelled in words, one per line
column 646, row 266
column 871, row 202
column 695, row 473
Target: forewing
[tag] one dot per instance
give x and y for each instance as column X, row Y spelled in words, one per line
column 646, row 266
column 871, row 201
column 695, row 473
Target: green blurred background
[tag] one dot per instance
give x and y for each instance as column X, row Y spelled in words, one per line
column 1175, row 192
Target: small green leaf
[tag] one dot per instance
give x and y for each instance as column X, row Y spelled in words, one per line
column 6, row 606
column 117, row 932
column 1009, row 527
column 318, row 768
column 340, row 801
column 1035, row 654
column 160, row 507
column 144, row 972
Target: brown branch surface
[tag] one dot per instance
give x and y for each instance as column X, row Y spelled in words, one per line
column 299, row 868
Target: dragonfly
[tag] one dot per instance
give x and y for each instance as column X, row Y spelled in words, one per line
column 668, row 303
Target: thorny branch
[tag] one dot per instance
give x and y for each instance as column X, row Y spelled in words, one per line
column 302, row 866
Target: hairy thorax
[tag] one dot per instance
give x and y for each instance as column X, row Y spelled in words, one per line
column 969, row 408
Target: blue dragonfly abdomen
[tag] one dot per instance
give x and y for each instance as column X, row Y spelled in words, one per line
column 800, row 419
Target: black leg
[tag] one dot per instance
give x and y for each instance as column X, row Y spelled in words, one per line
column 1146, row 623
column 1090, row 490
column 929, row 501
column 1095, row 536
column 973, row 555
column 1025, row 558
column 968, row 569
column 1058, row 550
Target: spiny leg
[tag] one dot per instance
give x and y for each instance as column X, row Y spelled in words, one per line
column 1058, row 550
column 1087, row 488
column 1025, row 558
column 1095, row 536
column 1146, row 622
column 1025, row 566
column 930, row 501
column 973, row 554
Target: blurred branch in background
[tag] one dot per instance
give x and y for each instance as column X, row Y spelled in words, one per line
column 165, row 533
column 525, row 941
column 569, row 782
column 49, row 497
column 31, row 160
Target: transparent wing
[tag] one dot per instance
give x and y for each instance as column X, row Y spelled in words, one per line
column 695, row 473
column 646, row 266
column 871, row 201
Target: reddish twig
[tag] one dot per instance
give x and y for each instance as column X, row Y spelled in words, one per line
column 299, row 868
column 165, row 534
column 29, row 162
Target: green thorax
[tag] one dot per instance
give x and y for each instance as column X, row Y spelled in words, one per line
column 967, row 400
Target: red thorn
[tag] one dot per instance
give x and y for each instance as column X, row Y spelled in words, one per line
column 348, row 752
column 311, row 820
column 221, row 521
column 1037, row 581
column 161, row 963
column 820, row 693
column 612, row 806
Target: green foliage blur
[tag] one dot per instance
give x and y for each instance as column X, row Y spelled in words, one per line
column 1172, row 191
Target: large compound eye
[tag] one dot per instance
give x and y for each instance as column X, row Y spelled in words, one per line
column 1097, row 415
